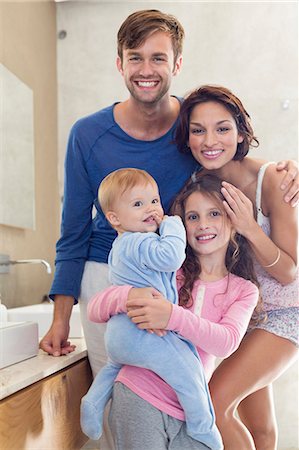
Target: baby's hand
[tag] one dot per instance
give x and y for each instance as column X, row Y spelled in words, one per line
column 158, row 219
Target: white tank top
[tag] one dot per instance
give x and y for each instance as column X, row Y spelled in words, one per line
column 274, row 294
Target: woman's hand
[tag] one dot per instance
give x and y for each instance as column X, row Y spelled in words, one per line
column 239, row 209
column 290, row 183
column 149, row 310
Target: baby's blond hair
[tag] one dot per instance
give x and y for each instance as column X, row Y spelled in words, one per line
column 116, row 183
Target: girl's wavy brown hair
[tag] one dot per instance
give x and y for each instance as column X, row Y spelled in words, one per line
column 239, row 256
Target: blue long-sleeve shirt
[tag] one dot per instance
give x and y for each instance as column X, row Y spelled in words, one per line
column 96, row 147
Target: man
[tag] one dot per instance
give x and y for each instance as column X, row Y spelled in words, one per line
column 135, row 133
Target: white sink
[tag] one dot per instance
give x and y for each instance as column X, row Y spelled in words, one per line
column 43, row 315
column 18, row 341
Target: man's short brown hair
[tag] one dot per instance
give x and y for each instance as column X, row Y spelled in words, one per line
column 141, row 24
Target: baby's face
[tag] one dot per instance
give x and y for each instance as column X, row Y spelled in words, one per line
column 139, row 209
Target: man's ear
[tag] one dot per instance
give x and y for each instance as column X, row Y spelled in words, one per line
column 112, row 219
column 177, row 65
column 119, row 65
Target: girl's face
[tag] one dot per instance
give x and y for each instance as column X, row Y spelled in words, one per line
column 213, row 135
column 207, row 226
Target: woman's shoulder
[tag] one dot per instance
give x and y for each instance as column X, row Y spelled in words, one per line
column 266, row 170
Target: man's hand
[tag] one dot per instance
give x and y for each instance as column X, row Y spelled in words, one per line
column 290, row 183
column 55, row 342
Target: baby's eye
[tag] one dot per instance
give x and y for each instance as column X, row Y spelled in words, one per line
column 138, row 203
column 156, row 200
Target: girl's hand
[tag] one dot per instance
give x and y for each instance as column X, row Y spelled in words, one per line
column 159, row 333
column 150, row 313
column 139, row 294
column 239, row 209
column 290, row 183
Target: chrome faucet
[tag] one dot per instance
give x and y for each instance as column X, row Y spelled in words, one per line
column 5, row 261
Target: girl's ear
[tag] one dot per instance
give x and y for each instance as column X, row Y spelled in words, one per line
column 112, row 219
column 240, row 138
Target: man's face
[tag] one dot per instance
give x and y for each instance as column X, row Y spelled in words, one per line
column 148, row 69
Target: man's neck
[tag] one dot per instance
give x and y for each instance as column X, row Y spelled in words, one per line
column 147, row 122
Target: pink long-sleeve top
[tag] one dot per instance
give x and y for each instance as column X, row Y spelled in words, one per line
column 215, row 323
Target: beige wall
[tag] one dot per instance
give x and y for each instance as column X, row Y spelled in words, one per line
column 28, row 49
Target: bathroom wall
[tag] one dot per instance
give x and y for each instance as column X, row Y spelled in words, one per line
column 28, row 50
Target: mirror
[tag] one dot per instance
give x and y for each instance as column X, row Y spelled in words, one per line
column 16, row 152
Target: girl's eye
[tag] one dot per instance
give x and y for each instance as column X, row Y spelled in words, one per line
column 138, row 203
column 192, row 217
column 223, row 129
column 215, row 213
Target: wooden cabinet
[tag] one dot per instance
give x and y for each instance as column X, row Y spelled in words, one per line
column 46, row 415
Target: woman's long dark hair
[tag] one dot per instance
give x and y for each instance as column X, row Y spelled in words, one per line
column 239, row 256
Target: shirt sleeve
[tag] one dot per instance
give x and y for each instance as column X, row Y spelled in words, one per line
column 76, row 227
column 219, row 339
column 107, row 303
column 164, row 252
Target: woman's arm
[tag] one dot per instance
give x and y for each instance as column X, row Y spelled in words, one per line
column 220, row 339
column 277, row 253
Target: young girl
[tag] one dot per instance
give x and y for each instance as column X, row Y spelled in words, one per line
column 216, row 128
column 217, row 295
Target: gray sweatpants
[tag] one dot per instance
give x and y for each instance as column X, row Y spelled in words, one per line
column 137, row 425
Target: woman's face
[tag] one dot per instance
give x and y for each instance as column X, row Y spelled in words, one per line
column 213, row 135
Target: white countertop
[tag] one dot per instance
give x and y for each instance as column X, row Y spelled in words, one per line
column 25, row 373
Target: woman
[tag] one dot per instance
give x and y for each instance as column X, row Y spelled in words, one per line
column 216, row 129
